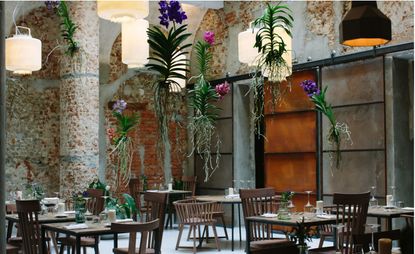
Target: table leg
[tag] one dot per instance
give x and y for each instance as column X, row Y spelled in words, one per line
column 232, row 224
column 380, row 223
column 239, row 221
column 389, row 224
column 78, row 245
column 43, row 236
column 9, row 229
column 116, row 240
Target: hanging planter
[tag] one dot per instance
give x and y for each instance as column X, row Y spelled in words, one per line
column 272, row 41
column 202, row 123
column 167, row 60
column 338, row 131
column 122, row 151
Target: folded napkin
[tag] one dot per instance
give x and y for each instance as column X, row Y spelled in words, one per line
column 408, row 208
column 76, row 226
column 269, row 215
column 326, row 216
column 152, row 190
column 51, row 200
column 124, row 220
column 232, row 196
column 69, row 212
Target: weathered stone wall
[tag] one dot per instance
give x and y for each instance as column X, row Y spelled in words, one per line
column 32, row 152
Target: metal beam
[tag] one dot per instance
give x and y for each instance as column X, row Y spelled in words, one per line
column 2, row 130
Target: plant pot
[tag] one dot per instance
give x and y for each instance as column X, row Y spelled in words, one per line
column 283, row 211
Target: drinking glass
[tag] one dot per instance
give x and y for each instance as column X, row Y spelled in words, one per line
column 308, row 207
column 87, row 213
column 373, row 227
column 393, row 202
column 338, row 227
column 373, row 202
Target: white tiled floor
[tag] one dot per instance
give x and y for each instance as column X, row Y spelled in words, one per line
column 170, row 238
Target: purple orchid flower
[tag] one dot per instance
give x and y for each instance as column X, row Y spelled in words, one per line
column 209, row 37
column 52, row 4
column 222, row 89
column 310, row 87
column 171, row 11
column 119, row 106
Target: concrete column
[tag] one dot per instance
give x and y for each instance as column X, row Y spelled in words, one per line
column 79, row 103
column 2, row 129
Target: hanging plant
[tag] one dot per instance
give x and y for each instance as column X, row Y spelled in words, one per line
column 122, row 144
column 68, row 28
column 168, row 50
column 338, row 131
column 271, row 61
column 202, row 123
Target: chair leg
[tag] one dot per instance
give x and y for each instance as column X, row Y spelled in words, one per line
column 194, row 239
column 52, row 236
column 216, row 237
column 96, row 248
column 224, row 226
column 84, row 248
column 61, row 249
column 322, row 238
column 180, row 235
column 190, row 231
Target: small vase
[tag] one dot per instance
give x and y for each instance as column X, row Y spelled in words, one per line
column 79, row 205
column 283, row 212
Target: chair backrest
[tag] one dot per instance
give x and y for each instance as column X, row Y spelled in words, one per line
column 256, row 202
column 29, row 225
column 145, row 228
column 189, row 184
column 134, row 186
column 155, row 209
column 352, row 213
column 191, row 212
column 366, row 239
column 96, row 203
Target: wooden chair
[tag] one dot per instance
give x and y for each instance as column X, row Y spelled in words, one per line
column 409, row 220
column 134, row 186
column 365, row 240
column 145, row 228
column 195, row 214
column 155, row 209
column 95, row 205
column 326, row 231
column 351, row 211
column 256, row 202
column 29, row 226
column 218, row 214
column 189, row 184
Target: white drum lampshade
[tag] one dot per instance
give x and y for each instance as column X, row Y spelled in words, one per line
column 122, row 11
column 134, row 45
column 23, row 53
column 181, row 82
column 246, row 51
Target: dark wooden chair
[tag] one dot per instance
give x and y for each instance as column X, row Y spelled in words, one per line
column 155, row 208
column 256, row 202
column 147, row 229
column 365, row 240
column 16, row 240
column 95, row 205
column 195, row 214
column 134, row 186
column 29, row 226
column 351, row 211
column 189, row 184
column 326, row 231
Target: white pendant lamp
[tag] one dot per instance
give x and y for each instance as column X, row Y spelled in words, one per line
column 246, row 51
column 181, row 82
column 135, row 48
column 122, row 11
column 23, row 53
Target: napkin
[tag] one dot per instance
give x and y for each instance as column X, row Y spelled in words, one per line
column 408, row 208
column 76, row 226
column 232, row 196
column 270, row 215
column 69, row 212
column 124, row 220
column 51, row 200
column 326, row 216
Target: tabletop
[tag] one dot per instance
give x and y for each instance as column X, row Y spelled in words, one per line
column 310, row 219
column 169, row 191
column 380, row 211
column 93, row 229
column 44, row 218
column 219, row 198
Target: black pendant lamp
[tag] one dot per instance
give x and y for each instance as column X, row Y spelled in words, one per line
column 365, row 25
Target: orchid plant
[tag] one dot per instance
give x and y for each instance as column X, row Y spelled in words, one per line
column 202, row 123
column 168, row 49
column 68, row 28
column 270, row 61
column 122, row 143
column 337, row 130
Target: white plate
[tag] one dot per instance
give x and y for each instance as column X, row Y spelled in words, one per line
column 269, row 215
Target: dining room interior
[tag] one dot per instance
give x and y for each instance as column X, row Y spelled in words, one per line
column 169, row 126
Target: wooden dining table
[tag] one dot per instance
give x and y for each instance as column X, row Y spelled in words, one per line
column 310, row 219
column 94, row 229
column 380, row 212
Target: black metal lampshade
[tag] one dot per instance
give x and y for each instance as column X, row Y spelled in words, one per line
column 365, row 25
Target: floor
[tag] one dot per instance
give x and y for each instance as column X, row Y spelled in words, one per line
column 170, row 238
